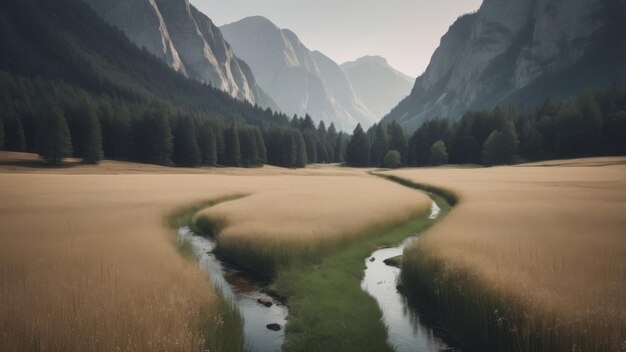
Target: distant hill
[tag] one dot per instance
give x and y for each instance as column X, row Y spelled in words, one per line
column 519, row 52
column 378, row 85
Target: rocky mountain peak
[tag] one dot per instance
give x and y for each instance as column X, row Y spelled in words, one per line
column 378, row 85
column 519, row 52
column 187, row 40
column 300, row 80
column 370, row 59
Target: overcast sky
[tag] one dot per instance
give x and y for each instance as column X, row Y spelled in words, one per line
column 406, row 32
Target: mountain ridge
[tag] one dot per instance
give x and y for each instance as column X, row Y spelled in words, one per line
column 519, row 53
column 300, row 80
column 187, row 40
column 377, row 83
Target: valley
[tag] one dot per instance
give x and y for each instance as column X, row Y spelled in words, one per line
column 311, row 265
column 260, row 176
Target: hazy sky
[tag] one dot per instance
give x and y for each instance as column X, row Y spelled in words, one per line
column 406, row 32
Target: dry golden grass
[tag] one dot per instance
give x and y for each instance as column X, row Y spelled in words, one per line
column 550, row 235
column 87, row 264
column 317, row 209
column 14, row 162
column 295, row 219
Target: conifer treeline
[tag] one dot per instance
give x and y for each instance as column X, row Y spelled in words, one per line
column 58, row 121
column 72, row 85
column 591, row 124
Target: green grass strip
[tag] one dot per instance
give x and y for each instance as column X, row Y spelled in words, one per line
column 185, row 216
column 328, row 310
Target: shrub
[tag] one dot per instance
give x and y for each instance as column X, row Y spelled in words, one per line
column 393, row 159
column 438, row 154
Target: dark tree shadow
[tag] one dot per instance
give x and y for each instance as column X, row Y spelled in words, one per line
column 41, row 164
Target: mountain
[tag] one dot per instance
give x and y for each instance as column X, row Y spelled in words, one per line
column 378, row 85
column 519, row 52
column 185, row 39
column 301, row 81
column 64, row 44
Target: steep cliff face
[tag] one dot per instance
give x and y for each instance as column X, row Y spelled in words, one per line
column 299, row 80
column 186, row 40
column 145, row 27
column 519, row 52
column 378, row 85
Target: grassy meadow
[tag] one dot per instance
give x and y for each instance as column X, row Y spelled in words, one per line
column 86, row 264
column 88, row 261
column 329, row 310
column 532, row 257
column 299, row 220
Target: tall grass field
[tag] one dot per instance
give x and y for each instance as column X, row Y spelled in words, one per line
column 532, row 258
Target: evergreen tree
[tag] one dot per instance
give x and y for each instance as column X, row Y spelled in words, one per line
column 380, row 145
column 490, row 149
column 463, row 147
column 590, row 129
column 322, row 152
column 310, row 139
column 273, row 139
column 152, row 135
column 300, row 160
column 307, row 123
column 332, row 131
column 232, row 146
column 260, row 146
column 15, row 139
column 295, row 122
column 338, row 153
column 421, row 141
column 220, row 142
column 186, row 151
column 91, row 144
column 207, row 144
column 249, row 151
column 420, row 144
column 358, row 149
column 392, row 159
column 438, row 154
column 501, row 146
column 54, row 141
column 463, row 150
column 398, row 140
column 288, row 149
column 331, row 135
column 321, row 130
column 1, row 134
column 532, row 148
column 116, row 138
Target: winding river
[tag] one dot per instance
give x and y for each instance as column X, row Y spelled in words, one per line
column 407, row 331
column 244, row 292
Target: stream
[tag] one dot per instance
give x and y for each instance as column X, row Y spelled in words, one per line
column 244, row 293
column 406, row 329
